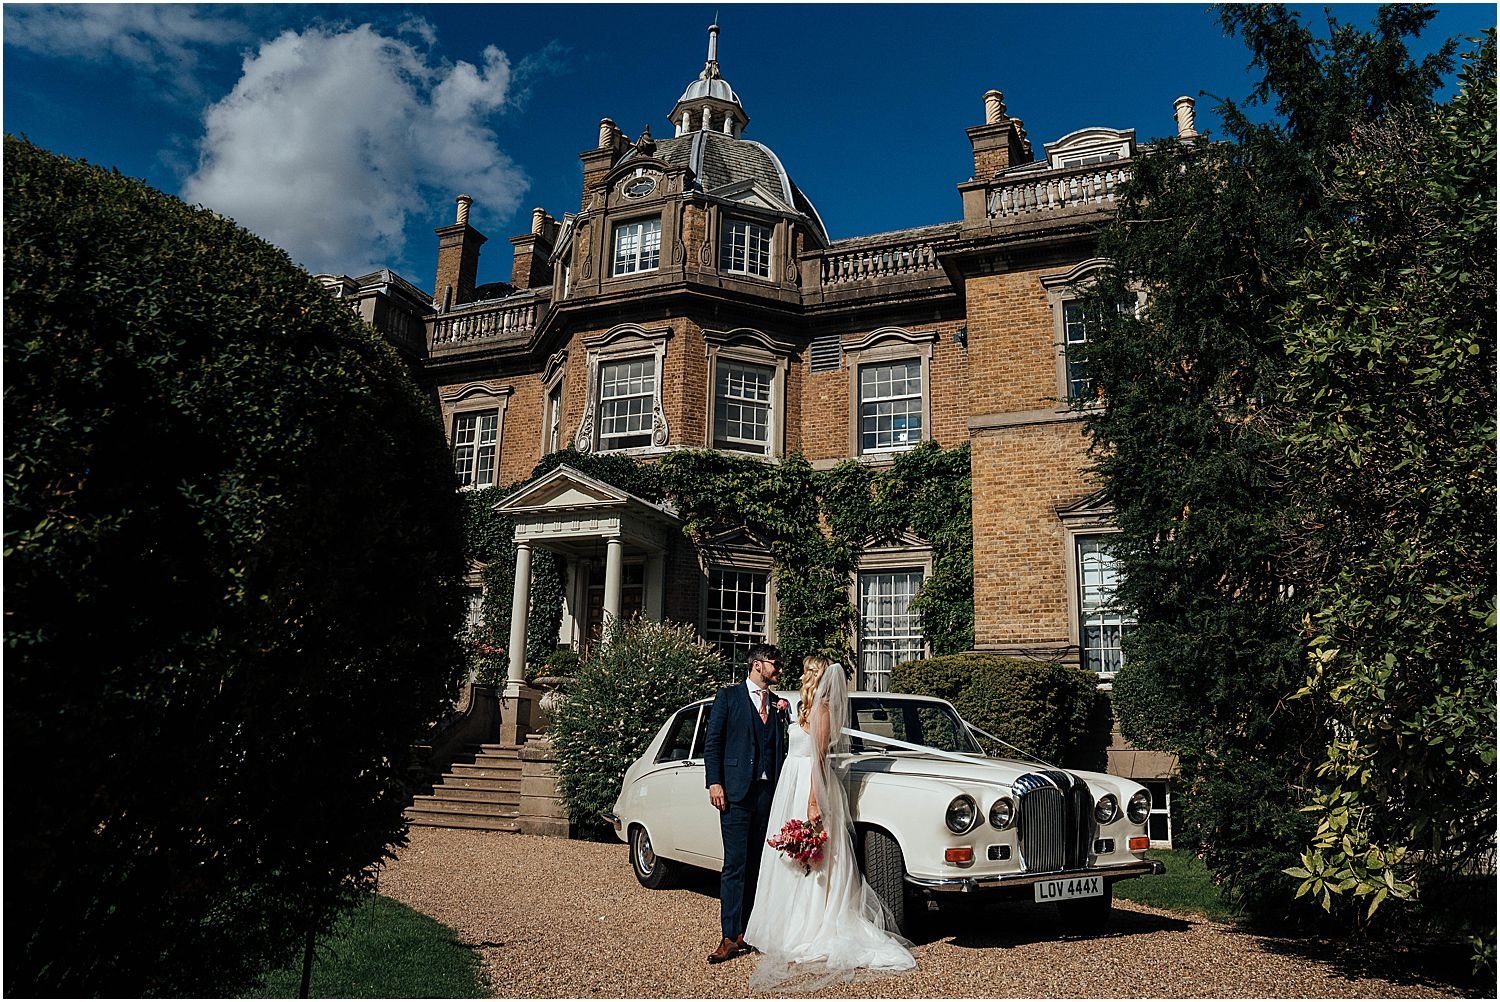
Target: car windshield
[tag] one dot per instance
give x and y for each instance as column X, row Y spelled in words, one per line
column 917, row 722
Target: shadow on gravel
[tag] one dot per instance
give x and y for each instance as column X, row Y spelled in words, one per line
column 1444, row 967
column 987, row 925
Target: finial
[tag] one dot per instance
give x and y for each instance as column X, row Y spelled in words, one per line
column 711, row 68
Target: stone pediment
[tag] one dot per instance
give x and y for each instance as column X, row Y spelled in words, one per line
column 752, row 193
column 564, row 487
column 567, row 490
column 905, row 540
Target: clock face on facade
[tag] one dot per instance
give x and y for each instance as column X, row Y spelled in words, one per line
column 639, row 187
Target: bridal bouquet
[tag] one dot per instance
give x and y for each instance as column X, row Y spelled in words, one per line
column 802, row 841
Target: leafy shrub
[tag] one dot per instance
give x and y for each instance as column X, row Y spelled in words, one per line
column 234, row 556
column 1049, row 710
column 561, row 663
column 622, row 693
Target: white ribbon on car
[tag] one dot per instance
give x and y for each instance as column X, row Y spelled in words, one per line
column 910, row 746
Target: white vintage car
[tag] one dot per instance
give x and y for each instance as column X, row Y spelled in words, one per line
column 933, row 813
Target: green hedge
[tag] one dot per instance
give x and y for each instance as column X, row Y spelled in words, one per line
column 233, row 561
column 1054, row 712
column 623, row 692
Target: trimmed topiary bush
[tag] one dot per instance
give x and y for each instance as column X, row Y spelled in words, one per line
column 624, row 690
column 1054, row 712
column 233, row 553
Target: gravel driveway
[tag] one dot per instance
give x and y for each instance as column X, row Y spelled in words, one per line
column 554, row 918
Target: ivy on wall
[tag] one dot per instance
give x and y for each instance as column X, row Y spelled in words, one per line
column 814, row 523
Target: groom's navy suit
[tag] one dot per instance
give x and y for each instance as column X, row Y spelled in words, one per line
column 744, row 756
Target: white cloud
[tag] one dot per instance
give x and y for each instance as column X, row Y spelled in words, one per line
column 332, row 138
column 163, row 42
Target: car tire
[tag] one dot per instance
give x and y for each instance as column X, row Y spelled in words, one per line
column 1087, row 916
column 650, row 869
column 885, row 871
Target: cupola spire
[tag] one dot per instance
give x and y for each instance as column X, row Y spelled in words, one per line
column 709, row 104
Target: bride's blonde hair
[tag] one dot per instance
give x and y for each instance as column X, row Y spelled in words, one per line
column 813, row 667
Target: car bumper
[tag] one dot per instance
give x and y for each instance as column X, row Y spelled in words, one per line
column 613, row 819
column 1004, row 881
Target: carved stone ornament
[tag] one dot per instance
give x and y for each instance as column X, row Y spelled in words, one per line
column 588, row 265
column 584, row 440
column 659, row 433
column 705, row 254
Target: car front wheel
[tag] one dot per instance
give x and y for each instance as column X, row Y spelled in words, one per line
column 650, row 869
column 885, row 870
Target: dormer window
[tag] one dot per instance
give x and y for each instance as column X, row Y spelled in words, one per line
column 637, row 246
column 745, row 248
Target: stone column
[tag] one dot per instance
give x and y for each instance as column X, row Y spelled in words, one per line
column 520, row 606
column 614, row 576
column 515, row 714
column 567, row 631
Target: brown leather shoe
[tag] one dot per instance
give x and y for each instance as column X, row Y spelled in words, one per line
column 727, row 948
column 741, row 946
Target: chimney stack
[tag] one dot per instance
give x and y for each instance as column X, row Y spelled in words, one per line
column 598, row 161
column 458, row 259
column 1183, row 107
column 531, row 266
column 1000, row 142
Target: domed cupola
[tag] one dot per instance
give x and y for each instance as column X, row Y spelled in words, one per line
column 709, row 104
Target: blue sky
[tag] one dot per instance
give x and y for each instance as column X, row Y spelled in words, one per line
column 342, row 132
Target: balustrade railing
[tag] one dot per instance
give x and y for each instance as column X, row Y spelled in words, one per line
column 1061, row 190
column 493, row 324
column 893, row 260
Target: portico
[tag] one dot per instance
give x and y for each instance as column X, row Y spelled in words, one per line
column 602, row 532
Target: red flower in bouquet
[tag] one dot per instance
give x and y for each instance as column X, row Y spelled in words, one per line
column 802, row 841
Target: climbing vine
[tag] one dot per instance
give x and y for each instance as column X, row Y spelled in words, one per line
column 813, row 523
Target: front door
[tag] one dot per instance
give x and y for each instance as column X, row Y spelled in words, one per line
column 632, row 595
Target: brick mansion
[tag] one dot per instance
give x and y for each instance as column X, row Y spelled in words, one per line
column 695, row 301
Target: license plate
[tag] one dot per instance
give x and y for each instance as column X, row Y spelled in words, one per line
column 1075, row 887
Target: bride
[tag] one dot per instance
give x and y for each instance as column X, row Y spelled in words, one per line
column 814, row 929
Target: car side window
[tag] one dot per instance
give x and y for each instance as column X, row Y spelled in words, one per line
column 702, row 732
column 679, row 737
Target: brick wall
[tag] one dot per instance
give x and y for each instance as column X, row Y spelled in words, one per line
column 1021, row 476
column 1012, row 344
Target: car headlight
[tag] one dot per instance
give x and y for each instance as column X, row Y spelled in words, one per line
column 1139, row 808
column 962, row 815
column 1106, row 809
column 1002, row 813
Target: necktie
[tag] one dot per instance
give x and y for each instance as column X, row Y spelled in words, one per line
column 765, row 704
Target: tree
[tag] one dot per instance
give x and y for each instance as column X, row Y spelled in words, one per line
column 234, row 554
column 1390, row 340
column 1191, row 439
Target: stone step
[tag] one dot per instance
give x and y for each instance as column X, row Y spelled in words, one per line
column 480, row 821
column 458, row 793
column 493, row 762
column 508, row 751
column 439, row 805
column 461, row 770
column 509, row 784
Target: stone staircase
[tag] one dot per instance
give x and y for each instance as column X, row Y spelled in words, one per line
column 481, row 789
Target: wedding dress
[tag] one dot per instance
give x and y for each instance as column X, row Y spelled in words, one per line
column 815, row 929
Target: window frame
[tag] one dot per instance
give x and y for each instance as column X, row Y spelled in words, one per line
column 903, row 555
column 620, row 344
column 726, row 234
column 884, row 347
column 474, row 399
column 1063, row 289
column 623, row 225
column 746, row 346
column 738, row 552
column 554, row 402
column 1088, row 517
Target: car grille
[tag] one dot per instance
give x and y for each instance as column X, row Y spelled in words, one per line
column 1056, row 824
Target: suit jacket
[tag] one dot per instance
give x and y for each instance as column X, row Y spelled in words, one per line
column 729, row 745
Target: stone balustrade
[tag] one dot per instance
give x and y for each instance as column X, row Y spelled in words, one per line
column 1056, row 190
column 894, row 260
column 468, row 326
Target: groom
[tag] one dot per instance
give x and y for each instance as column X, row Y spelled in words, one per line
column 743, row 751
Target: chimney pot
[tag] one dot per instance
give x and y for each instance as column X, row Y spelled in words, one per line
column 464, row 201
column 538, row 220
column 994, row 106
column 606, row 133
column 1183, row 107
